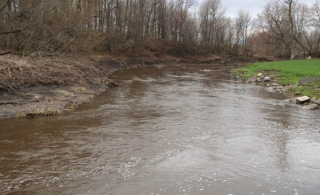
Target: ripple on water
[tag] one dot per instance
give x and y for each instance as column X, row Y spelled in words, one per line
column 167, row 131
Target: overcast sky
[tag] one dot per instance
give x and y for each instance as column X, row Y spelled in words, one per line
column 253, row 6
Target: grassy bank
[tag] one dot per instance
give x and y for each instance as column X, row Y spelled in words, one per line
column 288, row 73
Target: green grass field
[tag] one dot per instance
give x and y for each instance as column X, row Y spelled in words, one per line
column 288, row 73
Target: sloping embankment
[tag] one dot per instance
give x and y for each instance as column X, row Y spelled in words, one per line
column 31, row 87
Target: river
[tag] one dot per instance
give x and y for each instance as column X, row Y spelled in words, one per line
column 167, row 131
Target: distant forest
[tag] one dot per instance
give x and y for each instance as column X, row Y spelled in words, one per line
column 285, row 28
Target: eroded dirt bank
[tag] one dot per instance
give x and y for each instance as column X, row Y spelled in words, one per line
column 32, row 87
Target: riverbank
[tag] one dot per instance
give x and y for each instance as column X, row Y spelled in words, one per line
column 31, row 87
column 299, row 78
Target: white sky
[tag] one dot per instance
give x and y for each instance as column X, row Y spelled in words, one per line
column 253, row 6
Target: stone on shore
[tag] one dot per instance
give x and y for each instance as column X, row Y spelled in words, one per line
column 313, row 99
column 317, row 102
column 311, row 107
column 306, row 80
column 302, row 100
column 266, row 79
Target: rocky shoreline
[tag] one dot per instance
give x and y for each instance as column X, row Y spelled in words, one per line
column 270, row 82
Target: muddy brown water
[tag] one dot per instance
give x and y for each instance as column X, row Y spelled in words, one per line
column 167, row 130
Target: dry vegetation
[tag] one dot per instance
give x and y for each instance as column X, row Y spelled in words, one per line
column 27, row 72
column 48, row 28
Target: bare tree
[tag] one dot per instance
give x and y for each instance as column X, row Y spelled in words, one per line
column 212, row 22
column 291, row 33
column 290, row 28
column 18, row 22
column 273, row 21
column 242, row 24
column 41, row 27
column 315, row 22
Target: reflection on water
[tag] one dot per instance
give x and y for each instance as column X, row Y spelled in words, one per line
column 169, row 130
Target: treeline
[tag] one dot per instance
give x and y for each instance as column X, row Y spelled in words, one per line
column 42, row 27
column 289, row 29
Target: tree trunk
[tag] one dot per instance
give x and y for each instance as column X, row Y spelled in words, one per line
column 292, row 40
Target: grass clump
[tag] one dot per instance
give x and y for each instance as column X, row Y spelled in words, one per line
column 288, row 73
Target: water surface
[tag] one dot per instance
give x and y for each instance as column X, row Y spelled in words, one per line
column 167, row 130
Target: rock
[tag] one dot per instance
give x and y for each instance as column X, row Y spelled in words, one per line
column 311, row 107
column 306, row 80
column 313, row 99
column 259, row 74
column 317, row 102
column 266, row 79
column 302, row 100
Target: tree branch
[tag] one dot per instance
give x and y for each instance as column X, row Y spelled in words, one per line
column 4, row 5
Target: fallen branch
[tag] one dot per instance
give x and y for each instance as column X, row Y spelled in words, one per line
column 5, row 52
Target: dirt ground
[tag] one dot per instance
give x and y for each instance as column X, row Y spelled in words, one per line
column 32, row 87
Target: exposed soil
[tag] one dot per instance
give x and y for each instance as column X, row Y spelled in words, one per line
column 31, row 87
